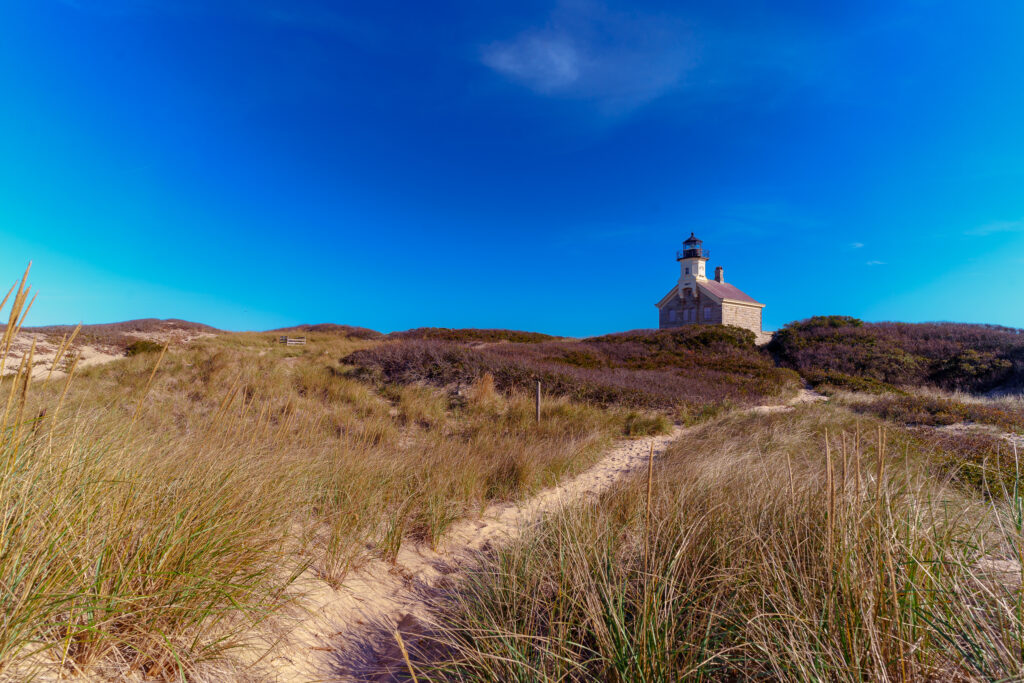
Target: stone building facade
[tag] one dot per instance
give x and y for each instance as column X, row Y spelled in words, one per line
column 696, row 300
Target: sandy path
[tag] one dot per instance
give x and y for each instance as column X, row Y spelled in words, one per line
column 349, row 634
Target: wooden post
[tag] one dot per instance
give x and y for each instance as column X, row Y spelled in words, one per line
column 538, row 401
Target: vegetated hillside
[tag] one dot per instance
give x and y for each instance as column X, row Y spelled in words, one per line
column 161, row 505
column 692, row 368
column 332, row 328
column 130, row 326
column 472, row 335
column 849, row 353
column 120, row 335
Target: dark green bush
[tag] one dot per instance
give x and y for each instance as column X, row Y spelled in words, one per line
column 830, row 321
column 582, row 359
column 971, row 368
column 823, row 381
column 143, row 346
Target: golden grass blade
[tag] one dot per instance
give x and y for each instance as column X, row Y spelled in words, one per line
column 145, row 391
column 647, row 516
column 25, row 378
column 11, row 329
column 831, row 491
column 64, row 347
column 405, row 655
column 60, row 402
column 11, row 396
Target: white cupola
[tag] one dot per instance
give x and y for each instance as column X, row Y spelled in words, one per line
column 693, row 258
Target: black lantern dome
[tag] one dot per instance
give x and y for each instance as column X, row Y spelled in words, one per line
column 693, row 248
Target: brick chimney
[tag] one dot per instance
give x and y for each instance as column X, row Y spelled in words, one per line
column 719, row 274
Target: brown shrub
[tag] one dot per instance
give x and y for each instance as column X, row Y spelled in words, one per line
column 472, row 335
column 663, row 369
column 946, row 355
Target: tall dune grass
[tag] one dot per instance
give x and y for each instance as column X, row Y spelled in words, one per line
column 153, row 511
column 767, row 557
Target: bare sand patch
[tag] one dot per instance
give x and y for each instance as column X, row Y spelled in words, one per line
column 89, row 354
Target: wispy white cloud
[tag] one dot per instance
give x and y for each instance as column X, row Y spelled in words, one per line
column 545, row 63
column 875, row 263
column 587, row 51
column 621, row 60
column 997, row 227
column 856, row 245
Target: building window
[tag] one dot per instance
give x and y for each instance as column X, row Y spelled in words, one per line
column 672, row 316
column 687, row 271
column 707, row 313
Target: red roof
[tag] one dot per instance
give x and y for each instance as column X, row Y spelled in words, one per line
column 723, row 290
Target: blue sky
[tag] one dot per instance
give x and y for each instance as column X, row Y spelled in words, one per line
column 533, row 165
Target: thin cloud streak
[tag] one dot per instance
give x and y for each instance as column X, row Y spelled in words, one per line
column 997, row 227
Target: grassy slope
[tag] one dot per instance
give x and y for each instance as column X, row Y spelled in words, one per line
column 152, row 515
column 759, row 562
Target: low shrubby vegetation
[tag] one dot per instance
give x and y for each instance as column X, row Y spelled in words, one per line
column 758, row 553
column 971, row 438
column 683, row 370
column 938, row 411
column 985, row 463
column 143, row 346
column 117, row 336
column 850, row 354
column 349, row 331
column 472, row 335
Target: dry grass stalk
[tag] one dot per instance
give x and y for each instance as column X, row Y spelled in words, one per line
column 650, row 487
column 405, row 655
column 62, row 349
column 830, row 486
